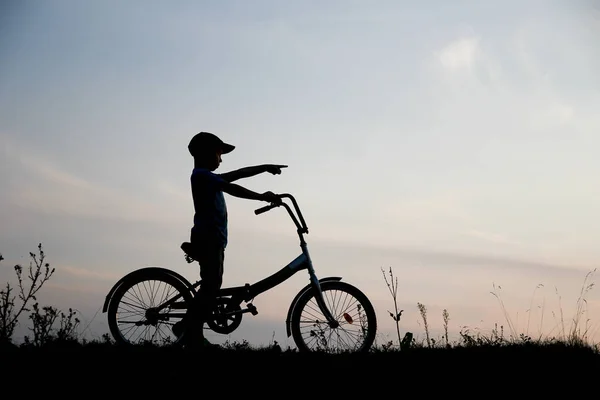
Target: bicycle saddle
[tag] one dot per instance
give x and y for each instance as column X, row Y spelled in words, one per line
column 190, row 254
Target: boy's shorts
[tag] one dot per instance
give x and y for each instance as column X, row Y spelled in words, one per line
column 211, row 257
column 211, row 267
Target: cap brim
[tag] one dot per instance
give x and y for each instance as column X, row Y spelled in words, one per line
column 227, row 148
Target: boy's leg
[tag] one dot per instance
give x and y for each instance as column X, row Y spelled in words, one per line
column 211, row 272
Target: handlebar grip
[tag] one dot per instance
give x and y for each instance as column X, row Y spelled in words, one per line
column 264, row 209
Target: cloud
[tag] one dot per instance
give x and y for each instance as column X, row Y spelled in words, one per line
column 424, row 261
column 174, row 192
column 447, row 205
column 45, row 187
column 490, row 237
column 459, row 54
column 528, row 84
column 87, row 274
column 553, row 115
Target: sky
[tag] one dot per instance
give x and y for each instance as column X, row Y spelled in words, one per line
column 453, row 142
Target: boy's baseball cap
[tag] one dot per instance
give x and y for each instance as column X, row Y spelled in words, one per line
column 206, row 140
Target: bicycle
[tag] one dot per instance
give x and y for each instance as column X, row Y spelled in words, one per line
column 347, row 319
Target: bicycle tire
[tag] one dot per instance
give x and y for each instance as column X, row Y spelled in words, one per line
column 113, row 309
column 307, row 301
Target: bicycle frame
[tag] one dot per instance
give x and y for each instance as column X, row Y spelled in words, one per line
column 250, row 291
column 302, row 262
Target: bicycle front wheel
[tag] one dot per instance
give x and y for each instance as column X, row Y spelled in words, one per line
column 143, row 310
column 349, row 306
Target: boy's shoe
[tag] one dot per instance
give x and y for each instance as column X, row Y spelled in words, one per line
column 191, row 342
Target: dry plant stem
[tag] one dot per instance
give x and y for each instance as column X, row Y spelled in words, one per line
column 423, row 311
column 446, row 318
column 39, row 273
column 392, row 285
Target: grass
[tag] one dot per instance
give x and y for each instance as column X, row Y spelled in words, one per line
column 499, row 359
column 473, row 361
column 476, row 365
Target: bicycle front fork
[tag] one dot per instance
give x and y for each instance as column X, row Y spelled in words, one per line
column 333, row 323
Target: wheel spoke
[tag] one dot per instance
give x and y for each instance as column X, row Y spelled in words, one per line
column 349, row 307
column 134, row 317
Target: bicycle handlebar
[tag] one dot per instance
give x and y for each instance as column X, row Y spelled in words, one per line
column 299, row 222
column 265, row 208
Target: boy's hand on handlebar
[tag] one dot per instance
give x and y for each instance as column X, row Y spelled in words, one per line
column 271, row 198
column 274, row 169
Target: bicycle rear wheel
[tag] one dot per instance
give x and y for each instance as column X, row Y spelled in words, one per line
column 349, row 306
column 143, row 310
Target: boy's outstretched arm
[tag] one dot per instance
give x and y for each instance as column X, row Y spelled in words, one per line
column 241, row 192
column 248, row 172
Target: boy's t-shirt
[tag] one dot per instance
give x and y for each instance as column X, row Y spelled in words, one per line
column 210, row 217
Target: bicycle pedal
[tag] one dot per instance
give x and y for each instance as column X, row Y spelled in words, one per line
column 252, row 309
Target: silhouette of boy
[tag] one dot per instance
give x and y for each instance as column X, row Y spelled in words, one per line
column 209, row 232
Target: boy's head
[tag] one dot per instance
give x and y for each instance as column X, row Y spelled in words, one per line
column 207, row 148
